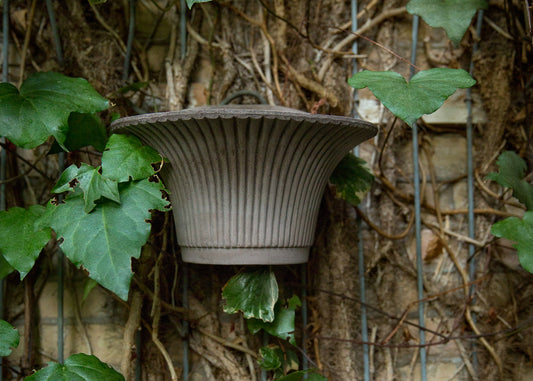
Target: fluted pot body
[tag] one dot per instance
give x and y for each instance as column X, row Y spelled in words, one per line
column 246, row 182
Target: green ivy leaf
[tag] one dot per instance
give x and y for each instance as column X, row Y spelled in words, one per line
column 126, row 158
column 270, row 359
column 9, row 338
column 105, row 240
column 283, row 324
column 20, row 243
column 190, row 3
column 316, row 377
column 136, row 86
column 115, row 116
column 5, row 267
column 424, row 94
column 254, row 292
column 274, row 359
column 42, row 107
column 352, row 178
column 78, row 367
column 89, row 285
column 299, row 376
column 452, row 15
column 91, row 182
column 520, row 231
column 511, row 175
column 288, row 360
column 83, row 130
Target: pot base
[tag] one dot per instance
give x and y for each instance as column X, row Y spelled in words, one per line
column 246, row 256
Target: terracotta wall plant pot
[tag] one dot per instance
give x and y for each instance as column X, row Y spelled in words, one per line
column 246, row 182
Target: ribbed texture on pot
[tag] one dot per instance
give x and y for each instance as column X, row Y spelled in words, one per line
column 243, row 179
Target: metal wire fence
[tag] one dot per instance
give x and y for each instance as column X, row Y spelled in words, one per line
column 361, row 273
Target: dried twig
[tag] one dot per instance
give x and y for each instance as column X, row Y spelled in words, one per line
column 495, row 195
column 28, row 338
column 130, row 329
column 409, row 198
column 348, row 40
column 309, row 84
column 494, row 26
column 468, row 312
column 26, row 42
column 156, row 314
column 77, row 313
column 383, row 233
column 117, row 38
column 266, row 81
column 449, row 232
column 227, row 343
column 168, row 306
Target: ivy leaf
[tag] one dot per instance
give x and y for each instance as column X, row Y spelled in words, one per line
column 520, row 231
column 78, row 367
column 190, row 3
column 20, row 243
column 511, row 175
column 83, row 130
column 280, row 362
column 270, row 359
column 299, row 375
column 105, row 240
column 126, row 158
column 135, row 86
column 89, row 285
column 91, row 182
column 254, row 292
column 452, row 15
column 424, row 94
column 352, row 178
column 283, row 324
column 316, row 377
column 5, row 267
column 9, row 338
column 42, row 107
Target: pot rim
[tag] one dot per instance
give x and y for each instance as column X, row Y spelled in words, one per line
column 241, row 112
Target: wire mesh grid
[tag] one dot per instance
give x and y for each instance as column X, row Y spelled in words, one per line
column 361, row 273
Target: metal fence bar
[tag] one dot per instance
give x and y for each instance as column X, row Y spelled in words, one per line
column 305, row 362
column 470, row 178
column 266, row 338
column 355, row 50
column 183, row 28
column 3, row 155
column 125, row 73
column 60, row 287
column 362, row 291
column 359, row 222
column 185, row 277
column 55, row 32
column 5, row 48
column 61, row 164
column 129, row 44
column 418, row 224
column 185, row 301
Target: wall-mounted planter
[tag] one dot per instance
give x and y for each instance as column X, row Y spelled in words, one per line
column 246, row 181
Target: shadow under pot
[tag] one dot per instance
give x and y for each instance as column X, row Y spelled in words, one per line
column 246, row 182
